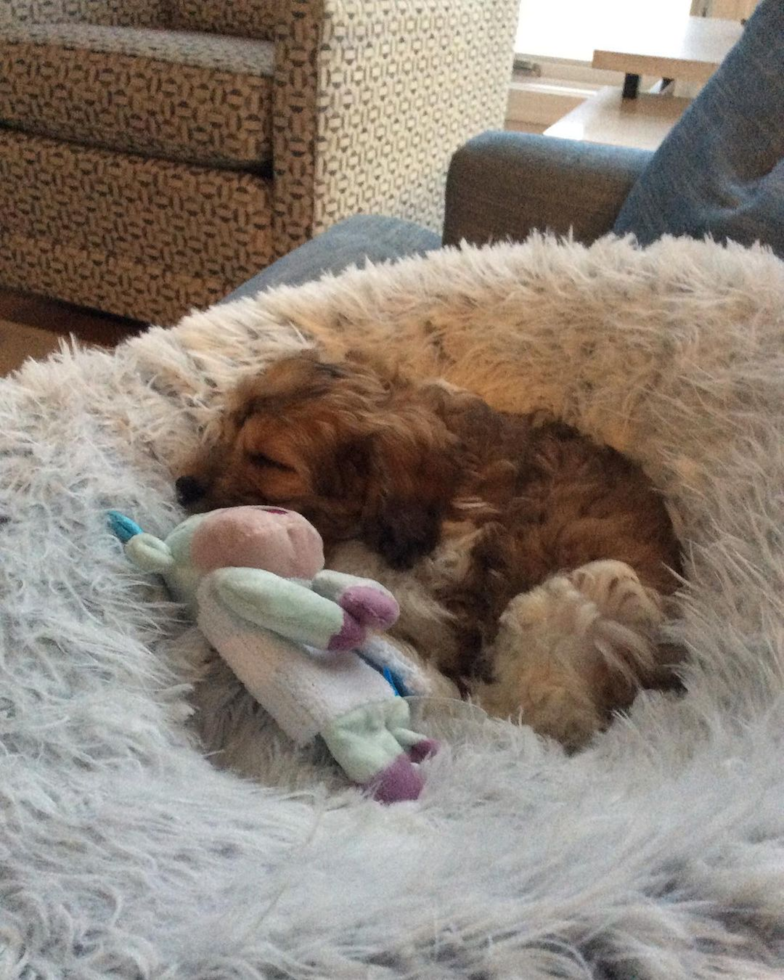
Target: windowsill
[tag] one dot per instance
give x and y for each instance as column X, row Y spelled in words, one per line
column 563, row 85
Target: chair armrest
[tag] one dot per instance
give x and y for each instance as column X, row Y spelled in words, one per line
column 20, row 11
column 372, row 97
column 504, row 185
column 129, row 13
column 356, row 241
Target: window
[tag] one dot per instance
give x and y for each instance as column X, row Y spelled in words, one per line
column 556, row 40
column 571, row 29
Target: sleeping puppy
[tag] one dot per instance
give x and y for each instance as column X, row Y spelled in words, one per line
column 530, row 563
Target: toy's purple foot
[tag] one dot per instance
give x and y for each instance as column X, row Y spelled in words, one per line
column 400, row 780
column 351, row 635
column 370, row 606
column 424, row 749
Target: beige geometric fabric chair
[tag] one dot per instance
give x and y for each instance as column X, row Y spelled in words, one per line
column 156, row 153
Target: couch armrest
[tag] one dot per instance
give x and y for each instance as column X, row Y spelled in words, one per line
column 129, row 13
column 372, row 97
column 355, row 241
column 504, row 185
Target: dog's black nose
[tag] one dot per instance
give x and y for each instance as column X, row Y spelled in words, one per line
column 189, row 490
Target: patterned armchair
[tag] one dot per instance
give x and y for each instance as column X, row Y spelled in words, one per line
column 156, row 153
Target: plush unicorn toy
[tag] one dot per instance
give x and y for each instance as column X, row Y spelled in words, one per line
column 300, row 638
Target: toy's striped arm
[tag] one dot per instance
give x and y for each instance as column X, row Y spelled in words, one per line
column 367, row 601
column 287, row 608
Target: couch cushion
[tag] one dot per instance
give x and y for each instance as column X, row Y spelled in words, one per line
column 720, row 172
column 110, row 13
column 183, row 96
column 247, row 18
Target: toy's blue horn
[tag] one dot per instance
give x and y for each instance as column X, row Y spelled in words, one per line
column 123, row 526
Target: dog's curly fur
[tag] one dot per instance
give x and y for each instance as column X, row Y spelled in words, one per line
column 544, row 557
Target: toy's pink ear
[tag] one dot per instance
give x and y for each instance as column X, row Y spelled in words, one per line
column 276, row 540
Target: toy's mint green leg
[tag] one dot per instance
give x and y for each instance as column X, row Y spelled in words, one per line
column 398, row 718
column 367, row 601
column 361, row 743
column 366, row 744
column 287, row 608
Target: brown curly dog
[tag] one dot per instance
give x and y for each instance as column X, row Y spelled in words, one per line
column 531, row 564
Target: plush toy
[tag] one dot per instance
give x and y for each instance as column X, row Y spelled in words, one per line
column 300, row 638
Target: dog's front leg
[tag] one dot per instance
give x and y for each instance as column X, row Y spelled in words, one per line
column 571, row 651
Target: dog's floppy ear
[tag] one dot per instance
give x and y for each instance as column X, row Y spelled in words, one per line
column 403, row 530
column 414, row 473
column 344, row 475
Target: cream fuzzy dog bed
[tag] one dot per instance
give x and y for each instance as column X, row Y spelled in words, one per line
column 126, row 852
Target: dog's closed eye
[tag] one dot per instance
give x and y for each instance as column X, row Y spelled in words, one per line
column 262, row 460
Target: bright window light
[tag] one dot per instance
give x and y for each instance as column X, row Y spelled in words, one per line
column 571, row 29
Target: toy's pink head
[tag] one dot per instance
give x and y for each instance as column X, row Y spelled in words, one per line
column 269, row 538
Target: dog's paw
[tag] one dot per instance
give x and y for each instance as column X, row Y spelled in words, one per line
column 558, row 704
column 615, row 589
column 552, row 701
column 539, row 660
column 573, row 650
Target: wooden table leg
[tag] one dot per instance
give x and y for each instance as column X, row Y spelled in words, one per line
column 631, row 86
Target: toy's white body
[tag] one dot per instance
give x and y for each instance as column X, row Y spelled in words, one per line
column 254, row 578
column 304, row 689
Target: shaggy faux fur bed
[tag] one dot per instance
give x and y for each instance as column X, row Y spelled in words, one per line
column 126, row 852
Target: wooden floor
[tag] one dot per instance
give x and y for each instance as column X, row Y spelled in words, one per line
column 31, row 326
